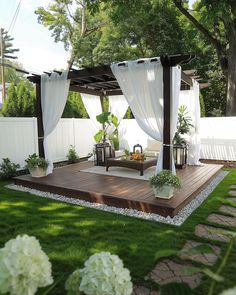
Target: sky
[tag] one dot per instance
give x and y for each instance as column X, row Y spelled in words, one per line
column 38, row 51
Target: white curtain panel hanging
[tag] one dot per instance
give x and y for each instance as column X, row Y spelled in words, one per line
column 93, row 107
column 54, row 92
column 118, row 106
column 142, row 86
column 190, row 99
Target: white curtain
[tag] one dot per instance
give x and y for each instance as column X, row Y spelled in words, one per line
column 190, row 98
column 54, row 92
column 118, row 106
column 142, row 85
column 93, row 107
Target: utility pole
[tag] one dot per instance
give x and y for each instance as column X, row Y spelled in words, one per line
column 2, row 66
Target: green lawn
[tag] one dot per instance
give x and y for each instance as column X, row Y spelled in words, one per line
column 69, row 234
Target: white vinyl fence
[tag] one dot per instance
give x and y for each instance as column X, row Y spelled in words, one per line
column 18, row 138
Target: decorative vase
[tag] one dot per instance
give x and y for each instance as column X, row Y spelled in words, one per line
column 37, row 172
column 163, row 192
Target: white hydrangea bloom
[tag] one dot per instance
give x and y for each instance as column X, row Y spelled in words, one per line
column 24, row 267
column 229, row 291
column 104, row 274
column 73, row 283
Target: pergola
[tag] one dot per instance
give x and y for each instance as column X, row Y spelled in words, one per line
column 100, row 81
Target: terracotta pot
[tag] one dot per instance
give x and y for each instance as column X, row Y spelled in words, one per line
column 163, row 192
column 37, row 172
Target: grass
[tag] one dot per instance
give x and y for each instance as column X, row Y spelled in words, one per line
column 69, row 234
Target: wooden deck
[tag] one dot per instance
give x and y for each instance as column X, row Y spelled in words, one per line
column 120, row 191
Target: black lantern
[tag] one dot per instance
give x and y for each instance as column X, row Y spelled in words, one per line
column 180, row 156
column 103, row 152
column 137, row 148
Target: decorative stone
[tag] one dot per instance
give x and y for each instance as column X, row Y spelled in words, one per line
column 210, row 232
column 139, row 290
column 204, row 258
column 232, row 193
column 228, row 209
column 222, row 219
column 168, row 271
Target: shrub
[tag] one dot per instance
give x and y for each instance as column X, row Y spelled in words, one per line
column 8, row 169
column 72, row 155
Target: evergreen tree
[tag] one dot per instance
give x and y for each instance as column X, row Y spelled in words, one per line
column 74, row 107
column 10, row 105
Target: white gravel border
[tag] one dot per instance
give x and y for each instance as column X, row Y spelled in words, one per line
column 176, row 220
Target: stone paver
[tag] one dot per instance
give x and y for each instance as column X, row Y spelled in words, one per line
column 168, row 271
column 222, row 219
column 232, row 199
column 228, row 209
column 205, row 258
column 233, row 187
column 139, row 290
column 232, row 193
column 209, row 232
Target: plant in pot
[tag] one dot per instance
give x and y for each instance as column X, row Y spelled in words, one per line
column 107, row 119
column 164, row 183
column 36, row 165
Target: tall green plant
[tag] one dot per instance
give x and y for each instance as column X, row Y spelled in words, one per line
column 106, row 119
column 184, row 125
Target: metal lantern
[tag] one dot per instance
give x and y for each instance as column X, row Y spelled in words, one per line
column 137, row 148
column 103, row 152
column 180, row 156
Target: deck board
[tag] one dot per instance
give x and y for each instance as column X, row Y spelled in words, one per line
column 120, row 191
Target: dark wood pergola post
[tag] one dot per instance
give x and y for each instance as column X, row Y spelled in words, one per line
column 167, row 150
column 39, row 120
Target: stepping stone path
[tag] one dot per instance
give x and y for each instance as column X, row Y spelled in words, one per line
column 228, row 209
column 168, row 271
column 139, row 290
column 204, row 258
column 232, row 199
column 232, row 193
column 209, row 232
column 233, row 186
column 222, row 219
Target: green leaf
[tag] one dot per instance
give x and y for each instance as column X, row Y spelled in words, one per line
column 99, row 135
column 213, row 275
column 165, row 253
column 175, row 289
column 115, row 121
column 103, row 117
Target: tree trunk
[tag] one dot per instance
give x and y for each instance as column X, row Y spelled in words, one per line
column 231, row 77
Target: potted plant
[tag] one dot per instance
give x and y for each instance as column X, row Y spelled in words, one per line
column 106, row 119
column 163, row 184
column 36, row 165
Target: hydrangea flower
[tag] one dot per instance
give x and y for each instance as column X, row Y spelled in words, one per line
column 24, row 267
column 73, row 283
column 104, row 274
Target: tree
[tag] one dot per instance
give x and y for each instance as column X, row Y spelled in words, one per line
column 74, row 107
column 216, row 20
column 7, row 52
column 69, row 21
column 20, row 101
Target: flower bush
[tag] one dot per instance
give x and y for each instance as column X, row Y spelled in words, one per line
column 24, row 267
column 103, row 274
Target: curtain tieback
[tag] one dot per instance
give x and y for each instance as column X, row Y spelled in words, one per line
column 165, row 144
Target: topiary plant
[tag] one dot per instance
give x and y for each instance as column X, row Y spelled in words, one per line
column 72, row 155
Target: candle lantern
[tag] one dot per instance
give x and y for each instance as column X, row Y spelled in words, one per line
column 103, row 152
column 180, row 156
column 137, row 148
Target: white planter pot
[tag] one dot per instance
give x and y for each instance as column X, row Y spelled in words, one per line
column 163, row 192
column 37, row 172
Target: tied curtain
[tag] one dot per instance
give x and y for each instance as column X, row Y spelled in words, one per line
column 54, row 92
column 190, row 99
column 93, row 107
column 142, row 86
